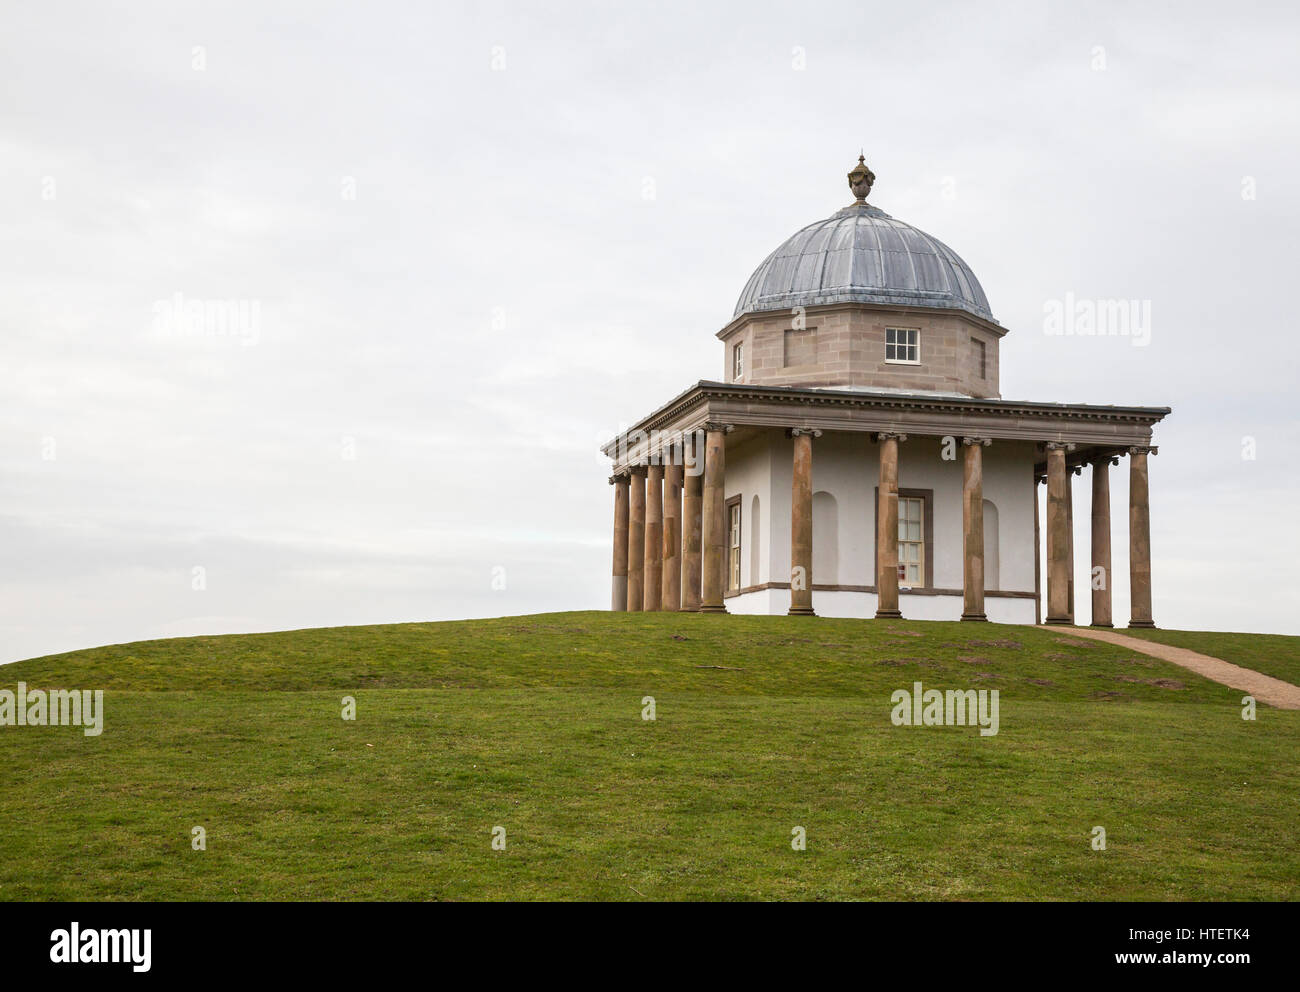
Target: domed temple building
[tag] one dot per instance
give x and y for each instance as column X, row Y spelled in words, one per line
column 859, row 460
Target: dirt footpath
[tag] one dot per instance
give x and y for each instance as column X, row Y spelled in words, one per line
column 1264, row 688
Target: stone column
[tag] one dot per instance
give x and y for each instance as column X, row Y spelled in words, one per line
column 713, row 566
column 801, row 525
column 1058, row 534
column 692, row 522
column 654, row 536
column 1101, row 612
column 672, row 577
column 618, row 592
column 972, row 517
column 636, row 539
column 1139, row 538
column 887, row 527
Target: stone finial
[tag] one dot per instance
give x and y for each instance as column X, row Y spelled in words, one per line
column 861, row 179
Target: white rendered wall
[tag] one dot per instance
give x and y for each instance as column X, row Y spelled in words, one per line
column 1009, row 485
column 765, row 602
column 748, row 475
column 1001, row 609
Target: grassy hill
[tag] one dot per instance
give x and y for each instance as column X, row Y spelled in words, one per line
column 535, row 724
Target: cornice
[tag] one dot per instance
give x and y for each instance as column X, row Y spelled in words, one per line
column 736, row 323
column 690, row 409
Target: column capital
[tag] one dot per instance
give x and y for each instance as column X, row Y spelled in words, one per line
column 797, row 431
column 718, row 426
column 1144, row 449
column 1059, row 445
column 983, row 442
column 619, row 478
column 1103, row 460
column 636, row 470
column 890, row 436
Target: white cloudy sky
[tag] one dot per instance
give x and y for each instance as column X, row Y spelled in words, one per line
column 501, row 294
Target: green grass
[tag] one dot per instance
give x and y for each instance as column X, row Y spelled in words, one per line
column 1273, row 654
column 534, row 724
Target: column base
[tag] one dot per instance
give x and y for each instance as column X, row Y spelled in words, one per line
column 1109, row 626
column 712, row 609
column 978, row 617
column 1062, row 621
column 800, row 611
column 1142, row 624
column 889, row 615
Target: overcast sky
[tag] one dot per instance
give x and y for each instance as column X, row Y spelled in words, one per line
column 470, row 244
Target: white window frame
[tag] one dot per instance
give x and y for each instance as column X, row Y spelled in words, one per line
column 734, row 536
column 920, row 582
column 912, row 341
column 737, row 361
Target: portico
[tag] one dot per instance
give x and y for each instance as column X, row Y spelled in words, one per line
column 900, row 444
column 858, row 459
